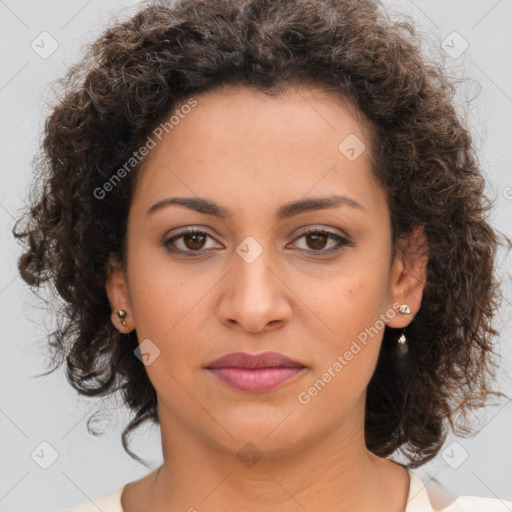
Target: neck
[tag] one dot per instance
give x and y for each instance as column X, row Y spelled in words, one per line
column 336, row 473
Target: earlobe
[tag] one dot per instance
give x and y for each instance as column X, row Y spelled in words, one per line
column 408, row 277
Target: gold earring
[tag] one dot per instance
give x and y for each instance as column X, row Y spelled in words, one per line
column 122, row 314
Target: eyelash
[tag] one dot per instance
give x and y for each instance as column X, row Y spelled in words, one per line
column 341, row 241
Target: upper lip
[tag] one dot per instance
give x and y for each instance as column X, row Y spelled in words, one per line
column 263, row 360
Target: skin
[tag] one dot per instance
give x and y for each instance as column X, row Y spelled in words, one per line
column 251, row 154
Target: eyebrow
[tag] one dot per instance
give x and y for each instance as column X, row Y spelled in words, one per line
column 285, row 211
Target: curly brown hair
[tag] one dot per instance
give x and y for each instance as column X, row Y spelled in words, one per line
column 129, row 81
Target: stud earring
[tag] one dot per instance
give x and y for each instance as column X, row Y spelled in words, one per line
column 405, row 309
column 122, row 314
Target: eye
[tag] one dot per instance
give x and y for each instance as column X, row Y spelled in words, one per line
column 195, row 241
column 317, row 239
column 191, row 241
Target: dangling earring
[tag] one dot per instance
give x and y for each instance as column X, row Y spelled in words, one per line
column 122, row 314
column 402, row 340
column 402, row 345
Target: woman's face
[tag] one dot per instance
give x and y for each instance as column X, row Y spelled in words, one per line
column 253, row 280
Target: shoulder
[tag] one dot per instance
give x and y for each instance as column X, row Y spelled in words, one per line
column 476, row 504
column 419, row 500
column 110, row 502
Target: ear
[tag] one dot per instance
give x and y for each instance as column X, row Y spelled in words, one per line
column 408, row 276
column 117, row 292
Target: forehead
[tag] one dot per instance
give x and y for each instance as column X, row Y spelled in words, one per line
column 297, row 114
column 240, row 142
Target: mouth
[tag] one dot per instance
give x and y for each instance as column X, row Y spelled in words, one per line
column 255, row 372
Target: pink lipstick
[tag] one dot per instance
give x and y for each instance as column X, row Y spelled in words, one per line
column 255, row 372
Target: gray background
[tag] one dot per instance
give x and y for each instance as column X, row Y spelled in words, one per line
column 46, row 409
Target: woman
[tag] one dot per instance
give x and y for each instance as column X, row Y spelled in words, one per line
column 270, row 230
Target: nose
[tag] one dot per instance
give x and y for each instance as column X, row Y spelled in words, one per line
column 254, row 295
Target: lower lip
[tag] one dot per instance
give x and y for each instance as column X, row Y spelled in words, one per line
column 256, row 379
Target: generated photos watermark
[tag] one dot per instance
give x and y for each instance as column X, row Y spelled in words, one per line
column 304, row 397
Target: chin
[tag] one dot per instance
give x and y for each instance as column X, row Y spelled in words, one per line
column 273, row 435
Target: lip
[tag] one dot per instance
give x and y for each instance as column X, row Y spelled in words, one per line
column 255, row 372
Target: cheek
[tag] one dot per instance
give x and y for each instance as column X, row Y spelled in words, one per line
column 351, row 305
column 345, row 359
column 171, row 311
column 163, row 301
column 353, row 302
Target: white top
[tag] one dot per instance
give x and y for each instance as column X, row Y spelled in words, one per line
column 417, row 501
